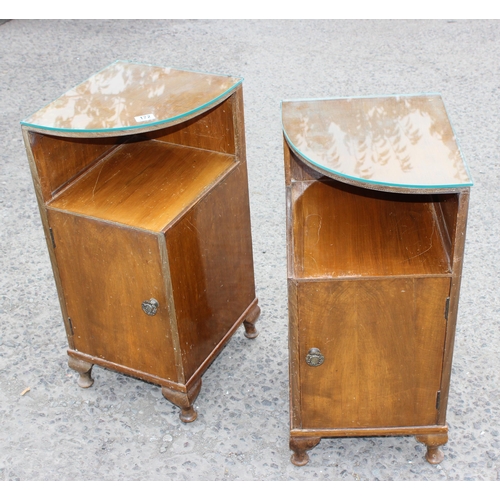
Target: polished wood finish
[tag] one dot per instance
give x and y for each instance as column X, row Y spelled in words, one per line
column 144, row 184
column 344, row 231
column 154, row 222
column 211, row 270
column 373, row 284
column 60, row 160
column 371, row 431
column 380, row 369
column 399, row 143
column 96, row 262
column 213, row 130
column 126, row 97
column 457, row 228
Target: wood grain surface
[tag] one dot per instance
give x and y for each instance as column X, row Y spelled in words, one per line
column 344, row 231
column 107, row 271
column 213, row 130
column 211, row 265
column 60, row 160
column 144, row 184
column 383, row 345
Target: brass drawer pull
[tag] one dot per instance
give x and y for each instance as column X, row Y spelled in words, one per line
column 314, row 357
column 150, row 306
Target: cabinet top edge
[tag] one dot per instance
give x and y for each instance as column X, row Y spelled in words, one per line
column 126, row 98
column 398, row 143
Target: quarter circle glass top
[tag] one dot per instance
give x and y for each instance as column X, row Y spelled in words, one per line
column 391, row 143
column 127, row 96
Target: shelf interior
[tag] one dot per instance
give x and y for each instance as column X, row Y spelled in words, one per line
column 344, row 231
column 144, row 183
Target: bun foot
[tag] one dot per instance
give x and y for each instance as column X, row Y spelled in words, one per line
column 249, row 322
column 433, row 441
column 84, row 369
column 189, row 415
column 434, row 455
column 300, row 458
column 299, row 446
column 184, row 400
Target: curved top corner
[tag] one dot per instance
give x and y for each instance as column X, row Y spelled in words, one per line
column 128, row 97
column 393, row 143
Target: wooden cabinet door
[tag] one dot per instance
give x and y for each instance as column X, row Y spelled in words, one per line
column 107, row 271
column 382, row 342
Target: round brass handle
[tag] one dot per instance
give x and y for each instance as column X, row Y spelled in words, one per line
column 150, row 307
column 314, row 357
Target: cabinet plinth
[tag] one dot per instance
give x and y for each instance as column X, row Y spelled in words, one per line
column 377, row 200
column 141, row 180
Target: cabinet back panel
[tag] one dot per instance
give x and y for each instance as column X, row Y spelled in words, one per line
column 107, row 271
column 60, row 159
column 213, row 130
column 345, row 231
column 210, row 257
column 383, row 346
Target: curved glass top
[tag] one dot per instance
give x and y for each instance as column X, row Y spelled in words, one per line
column 391, row 141
column 131, row 96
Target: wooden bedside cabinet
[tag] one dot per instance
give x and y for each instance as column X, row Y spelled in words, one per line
column 377, row 197
column 141, row 178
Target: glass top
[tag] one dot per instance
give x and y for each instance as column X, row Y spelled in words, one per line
column 392, row 141
column 130, row 96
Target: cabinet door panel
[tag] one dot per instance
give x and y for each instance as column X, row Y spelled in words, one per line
column 382, row 341
column 107, row 271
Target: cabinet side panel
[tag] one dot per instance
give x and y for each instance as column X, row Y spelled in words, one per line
column 60, row 159
column 212, row 130
column 459, row 231
column 107, row 271
column 48, row 237
column 240, row 143
column 382, row 341
column 446, row 206
column 449, row 205
column 211, row 267
column 293, row 354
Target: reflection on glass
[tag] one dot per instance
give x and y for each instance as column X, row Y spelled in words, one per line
column 131, row 95
column 405, row 141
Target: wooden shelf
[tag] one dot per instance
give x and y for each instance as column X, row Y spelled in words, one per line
column 341, row 231
column 145, row 184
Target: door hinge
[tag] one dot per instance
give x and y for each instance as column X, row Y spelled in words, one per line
column 446, row 308
column 438, row 400
column 71, row 326
column 52, row 237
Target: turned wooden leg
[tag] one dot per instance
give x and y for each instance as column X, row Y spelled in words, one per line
column 84, row 369
column 433, row 441
column 299, row 446
column 184, row 400
column 249, row 323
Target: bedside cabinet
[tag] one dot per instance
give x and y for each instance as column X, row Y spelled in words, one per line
column 377, row 196
column 141, row 178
